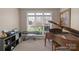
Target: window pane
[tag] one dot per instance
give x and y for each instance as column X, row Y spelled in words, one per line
column 46, row 19
column 30, row 20
column 30, row 13
column 46, row 28
column 35, row 29
column 47, row 13
column 39, row 19
column 39, row 14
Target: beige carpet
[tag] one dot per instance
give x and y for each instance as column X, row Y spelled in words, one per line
column 33, row 45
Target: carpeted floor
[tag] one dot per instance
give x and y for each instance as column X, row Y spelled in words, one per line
column 33, row 45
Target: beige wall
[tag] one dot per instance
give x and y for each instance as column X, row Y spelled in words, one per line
column 22, row 20
column 75, row 18
column 9, row 18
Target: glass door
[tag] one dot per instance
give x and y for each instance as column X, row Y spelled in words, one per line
column 38, row 22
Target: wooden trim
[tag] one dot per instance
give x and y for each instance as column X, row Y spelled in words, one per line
column 70, row 16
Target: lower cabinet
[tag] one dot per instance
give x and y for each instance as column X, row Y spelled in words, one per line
column 9, row 43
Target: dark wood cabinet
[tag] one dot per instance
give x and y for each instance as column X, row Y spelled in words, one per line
column 10, row 42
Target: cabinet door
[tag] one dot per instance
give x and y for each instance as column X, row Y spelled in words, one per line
column 1, row 45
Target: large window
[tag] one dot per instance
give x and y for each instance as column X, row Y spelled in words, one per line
column 38, row 22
